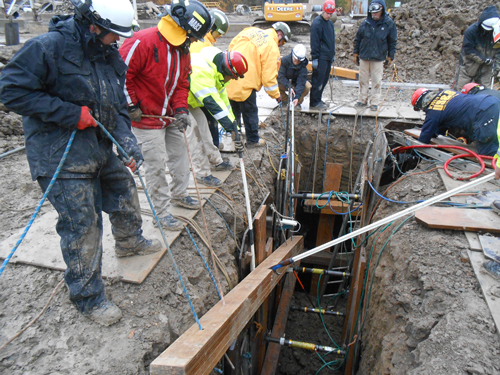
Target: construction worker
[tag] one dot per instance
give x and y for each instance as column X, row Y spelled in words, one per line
column 294, row 67
column 477, row 89
column 157, row 84
column 219, row 28
column 60, row 82
column 476, row 115
column 478, row 57
column 374, row 46
column 322, row 53
column 260, row 48
column 212, row 70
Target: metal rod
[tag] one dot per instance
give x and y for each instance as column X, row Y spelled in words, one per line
column 319, row 271
column 317, row 311
column 305, row 345
column 324, row 196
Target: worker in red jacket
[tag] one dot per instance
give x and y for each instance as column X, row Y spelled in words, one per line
column 157, row 84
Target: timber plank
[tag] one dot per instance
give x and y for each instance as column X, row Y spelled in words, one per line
column 260, row 235
column 198, row 351
column 473, row 220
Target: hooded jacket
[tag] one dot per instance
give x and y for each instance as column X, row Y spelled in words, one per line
column 322, row 39
column 208, row 88
column 197, row 46
column 376, row 40
column 478, row 42
column 297, row 73
column 49, row 80
column 260, row 48
column 157, row 77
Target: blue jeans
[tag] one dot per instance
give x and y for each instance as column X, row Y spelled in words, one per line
column 319, row 80
column 250, row 112
column 79, row 203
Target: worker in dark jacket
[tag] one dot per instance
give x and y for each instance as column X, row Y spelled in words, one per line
column 374, row 44
column 294, row 67
column 475, row 115
column 322, row 52
column 478, row 57
column 60, row 81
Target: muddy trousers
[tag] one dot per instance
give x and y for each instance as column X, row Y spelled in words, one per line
column 370, row 70
column 319, row 80
column 250, row 112
column 79, row 203
column 482, row 75
column 213, row 125
column 162, row 147
column 202, row 149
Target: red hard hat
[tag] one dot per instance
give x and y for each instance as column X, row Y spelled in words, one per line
column 236, row 63
column 417, row 95
column 329, row 6
column 468, row 87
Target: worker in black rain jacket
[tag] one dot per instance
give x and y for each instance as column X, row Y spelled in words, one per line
column 294, row 67
column 322, row 52
column 479, row 57
column 374, row 44
column 60, row 81
column 475, row 115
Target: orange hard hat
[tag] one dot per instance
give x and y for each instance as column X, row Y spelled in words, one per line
column 469, row 86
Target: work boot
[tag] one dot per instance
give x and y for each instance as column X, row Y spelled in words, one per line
column 373, row 107
column 210, row 181
column 106, row 314
column 224, row 166
column 260, row 143
column 136, row 246
column 495, row 205
column 186, row 202
column 170, row 223
column 319, row 106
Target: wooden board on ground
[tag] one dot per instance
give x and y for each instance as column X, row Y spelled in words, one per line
column 474, row 220
column 198, row 351
column 386, row 111
column 41, row 246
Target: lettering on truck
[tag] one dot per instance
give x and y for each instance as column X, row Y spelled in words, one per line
column 284, row 9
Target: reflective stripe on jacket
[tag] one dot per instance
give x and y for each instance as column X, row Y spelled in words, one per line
column 208, row 88
column 157, row 76
column 260, row 48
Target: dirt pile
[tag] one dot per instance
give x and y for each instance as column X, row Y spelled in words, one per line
column 430, row 37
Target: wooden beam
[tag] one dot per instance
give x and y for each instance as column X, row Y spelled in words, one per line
column 260, row 235
column 198, row 351
column 273, row 349
column 467, row 219
column 340, row 72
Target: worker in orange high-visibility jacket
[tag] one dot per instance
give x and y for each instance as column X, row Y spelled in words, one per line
column 260, row 48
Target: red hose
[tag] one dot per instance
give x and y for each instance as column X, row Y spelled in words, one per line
column 469, row 153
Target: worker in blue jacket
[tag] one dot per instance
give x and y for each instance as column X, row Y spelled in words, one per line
column 476, row 115
column 322, row 53
column 60, row 81
column 374, row 45
column 294, row 67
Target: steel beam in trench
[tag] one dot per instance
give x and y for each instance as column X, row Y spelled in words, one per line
column 198, row 351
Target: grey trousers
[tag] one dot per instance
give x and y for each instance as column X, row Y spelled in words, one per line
column 370, row 70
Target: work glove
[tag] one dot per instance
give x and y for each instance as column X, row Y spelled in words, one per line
column 135, row 113
column 134, row 161
column 488, row 61
column 86, row 119
column 387, row 62
column 355, row 58
column 238, row 145
column 279, row 100
column 182, row 120
column 315, row 63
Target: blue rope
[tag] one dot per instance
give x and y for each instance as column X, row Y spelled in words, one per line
column 339, row 198
column 120, row 148
column 227, row 225
column 204, row 261
column 54, row 178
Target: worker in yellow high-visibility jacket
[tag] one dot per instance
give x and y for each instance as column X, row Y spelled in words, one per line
column 260, row 48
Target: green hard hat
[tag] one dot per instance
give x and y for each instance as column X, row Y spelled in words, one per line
column 221, row 23
column 284, row 28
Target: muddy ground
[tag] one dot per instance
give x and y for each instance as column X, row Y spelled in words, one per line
column 426, row 315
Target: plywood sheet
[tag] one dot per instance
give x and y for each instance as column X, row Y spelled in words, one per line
column 41, row 246
column 474, row 220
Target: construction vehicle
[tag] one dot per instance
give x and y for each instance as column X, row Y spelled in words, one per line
column 296, row 15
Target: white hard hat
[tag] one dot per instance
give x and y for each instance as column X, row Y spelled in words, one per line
column 299, row 52
column 116, row 16
column 489, row 23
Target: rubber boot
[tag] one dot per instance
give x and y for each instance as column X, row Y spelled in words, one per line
column 136, row 246
column 106, row 314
